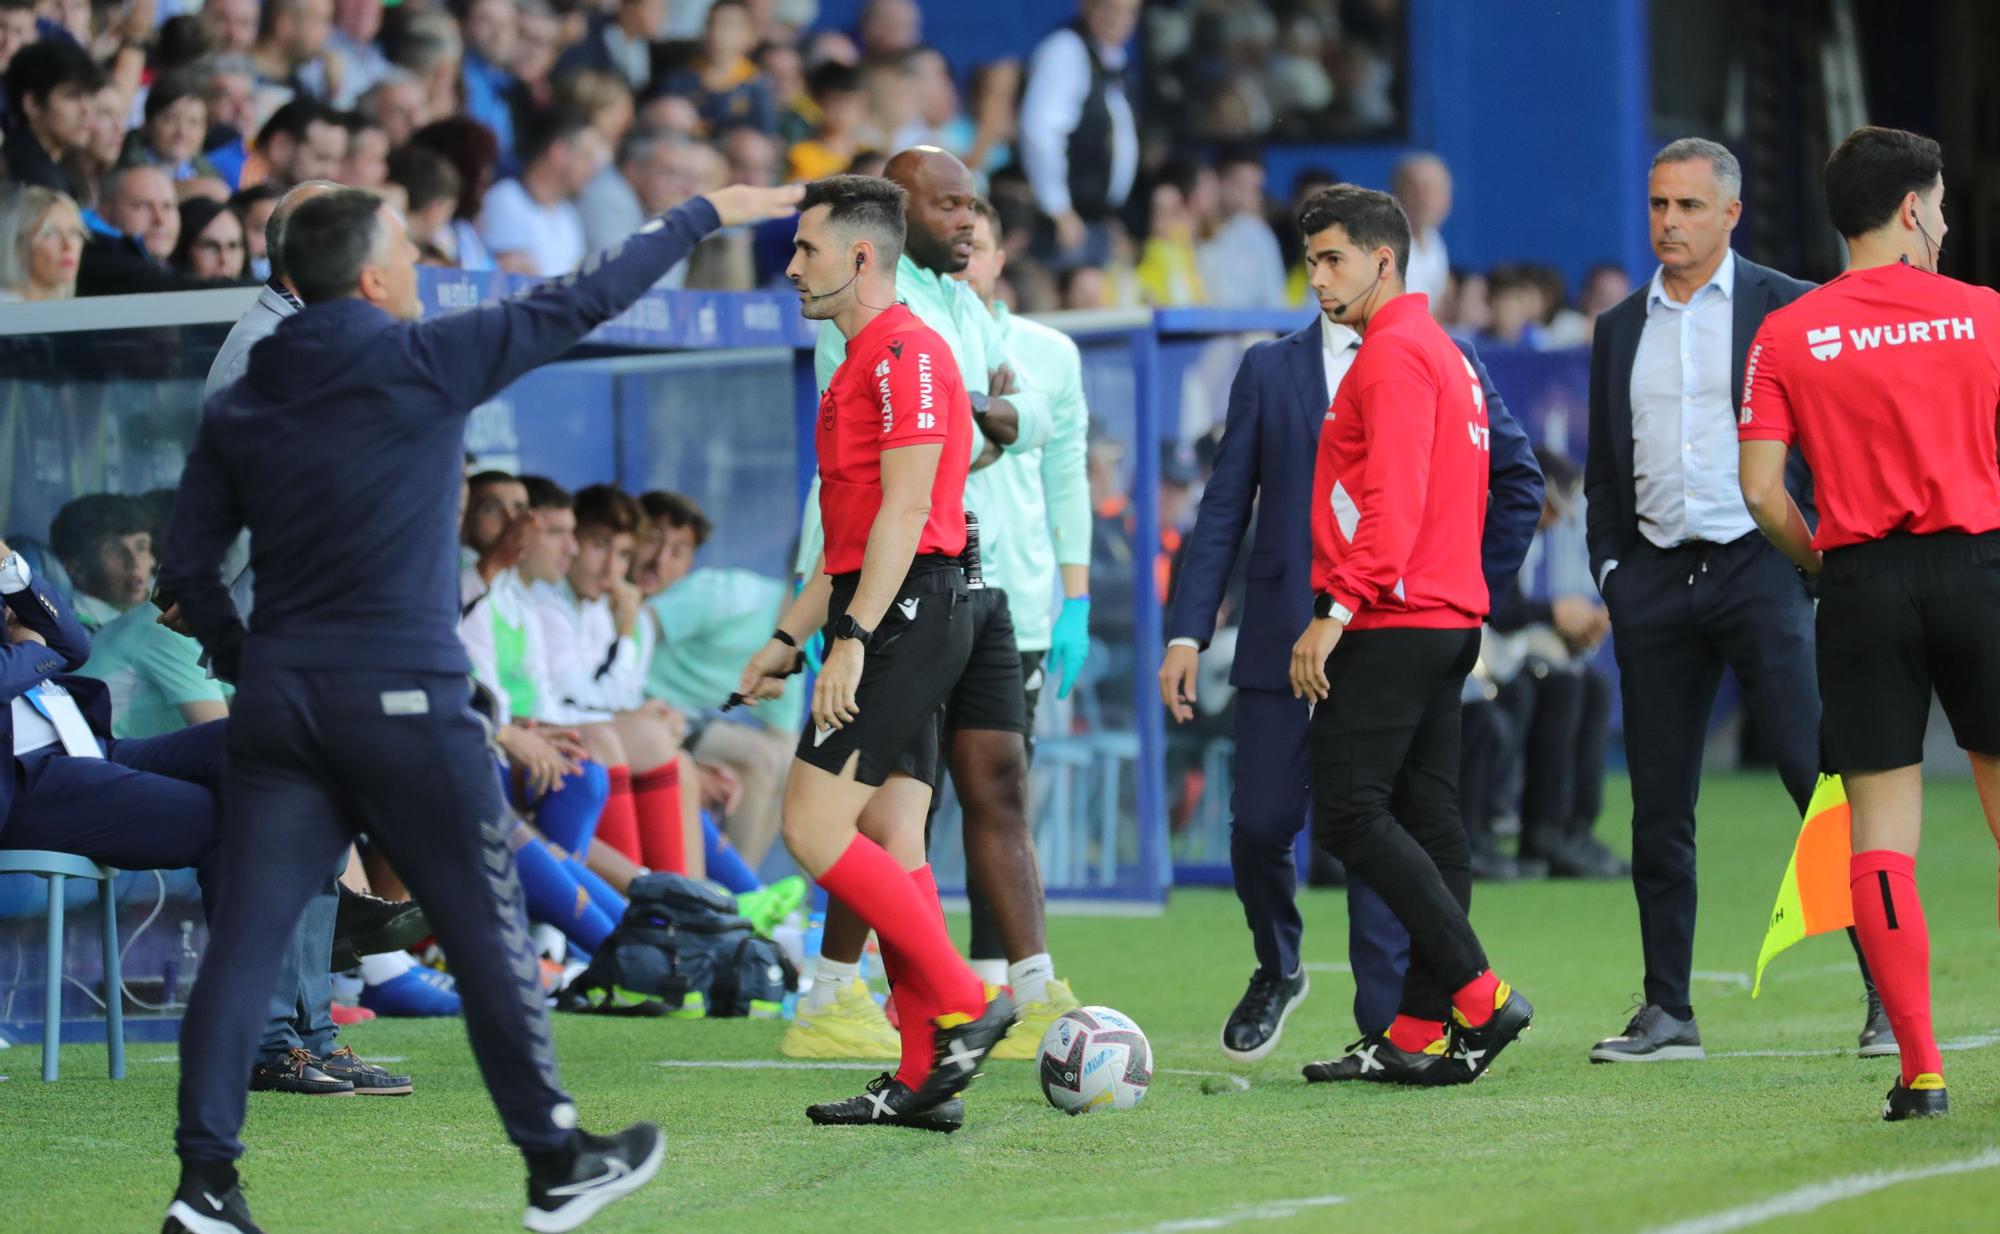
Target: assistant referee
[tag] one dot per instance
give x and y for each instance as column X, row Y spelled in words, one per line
column 1888, row 379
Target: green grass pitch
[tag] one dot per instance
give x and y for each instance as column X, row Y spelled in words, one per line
column 1545, row 1143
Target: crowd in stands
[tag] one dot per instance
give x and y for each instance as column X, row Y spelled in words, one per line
column 145, row 146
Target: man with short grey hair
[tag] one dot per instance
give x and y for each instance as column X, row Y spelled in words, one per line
column 1691, row 586
column 275, row 303
column 654, row 171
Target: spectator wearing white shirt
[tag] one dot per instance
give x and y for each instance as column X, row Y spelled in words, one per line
column 1422, row 184
column 531, row 225
column 1079, row 137
column 1241, row 265
column 655, row 171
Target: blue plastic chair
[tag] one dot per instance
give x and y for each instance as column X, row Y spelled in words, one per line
column 58, row 869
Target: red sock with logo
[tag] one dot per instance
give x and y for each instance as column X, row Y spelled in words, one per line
column 1889, row 917
column 1474, row 999
column 886, row 896
column 656, row 797
column 1410, row 1034
column 618, row 826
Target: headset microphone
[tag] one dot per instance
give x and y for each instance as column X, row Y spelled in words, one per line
column 859, row 259
column 1381, row 267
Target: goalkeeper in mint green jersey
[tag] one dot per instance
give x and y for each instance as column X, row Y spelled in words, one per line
column 1029, row 492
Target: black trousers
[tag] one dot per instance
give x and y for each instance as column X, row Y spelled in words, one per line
column 1385, row 755
column 1678, row 617
column 312, row 754
column 1562, row 792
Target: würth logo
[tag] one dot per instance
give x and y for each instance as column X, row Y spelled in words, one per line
column 1825, row 343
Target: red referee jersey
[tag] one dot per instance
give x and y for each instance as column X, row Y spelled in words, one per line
column 1399, row 489
column 1889, row 380
column 899, row 386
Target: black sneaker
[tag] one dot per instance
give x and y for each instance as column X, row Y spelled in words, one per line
column 1379, row 1060
column 1878, row 1039
column 1924, row 1098
column 565, row 1189
column 1253, row 1029
column 961, row 1050
column 1652, row 1036
column 205, row 1208
column 889, row 1103
column 370, row 925
column 368, row 1079
column 1471, row 1051
column 298, row 1072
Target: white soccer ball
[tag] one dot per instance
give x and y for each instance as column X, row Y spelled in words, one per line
column 1095, row 1057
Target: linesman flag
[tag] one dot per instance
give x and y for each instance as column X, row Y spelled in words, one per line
column 1814, row 897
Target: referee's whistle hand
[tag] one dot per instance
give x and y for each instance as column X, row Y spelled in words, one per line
column 744, row 203
column 834, row 693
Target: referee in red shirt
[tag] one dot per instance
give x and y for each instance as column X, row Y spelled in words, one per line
column 894, row 440
column 1888, row 378
column 1399, row 506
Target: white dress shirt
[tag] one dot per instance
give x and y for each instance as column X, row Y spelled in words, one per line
column 1337, row 346
column 1430, row 267
column 63, row 722
column 1052, row 107
column 1683, row 418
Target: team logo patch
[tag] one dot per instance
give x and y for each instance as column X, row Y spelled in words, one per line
column 1825, row 343
column 896, row 348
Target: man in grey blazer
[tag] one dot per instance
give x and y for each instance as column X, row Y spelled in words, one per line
column 1691, row 585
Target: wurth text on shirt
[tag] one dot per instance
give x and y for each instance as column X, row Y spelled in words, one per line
column 1826, row 342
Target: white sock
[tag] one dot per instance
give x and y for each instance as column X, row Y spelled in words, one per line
column 376, row 969
column 1030, row 978
column 992, row 972
column 829, row 979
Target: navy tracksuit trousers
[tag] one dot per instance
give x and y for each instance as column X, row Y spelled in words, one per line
column 402, row 757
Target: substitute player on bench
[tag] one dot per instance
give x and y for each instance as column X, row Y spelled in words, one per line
column 894, row 440
column 1888, row 378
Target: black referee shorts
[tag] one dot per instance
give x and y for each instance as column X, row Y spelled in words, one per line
column 991, row 692
column 1898, row 618
column 907, row 672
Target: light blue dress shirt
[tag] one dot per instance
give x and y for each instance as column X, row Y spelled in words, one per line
column 1683, row 418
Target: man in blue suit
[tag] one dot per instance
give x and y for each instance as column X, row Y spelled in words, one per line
column 1691, row 585
column 1265, row 460
column 139, row 804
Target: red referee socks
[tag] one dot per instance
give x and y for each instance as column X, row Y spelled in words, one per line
column 886, row 896
column 1889, row 917
column 618, row 826
column 914, row 1014
column 1410, row 1034
column 1477, row 999
column 656, row 796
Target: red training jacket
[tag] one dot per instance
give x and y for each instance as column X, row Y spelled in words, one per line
column 1399, row 488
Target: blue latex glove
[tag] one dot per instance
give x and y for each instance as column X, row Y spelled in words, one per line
column 1069, row 644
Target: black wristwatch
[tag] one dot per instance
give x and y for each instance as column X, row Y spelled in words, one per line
column 1325, row 606
column 847, row 627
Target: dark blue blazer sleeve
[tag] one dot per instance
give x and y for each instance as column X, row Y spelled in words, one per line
column 473, row 355
column 1514, row 492
column 205, row 521
column 1225, row 506
column 23, row 666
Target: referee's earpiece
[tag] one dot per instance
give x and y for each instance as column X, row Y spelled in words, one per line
column 859, row 260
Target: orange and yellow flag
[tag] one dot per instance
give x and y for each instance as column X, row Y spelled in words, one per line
column 1814, row 896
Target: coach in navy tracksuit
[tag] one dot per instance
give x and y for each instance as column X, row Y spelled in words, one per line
column 1265, row 459
column 340, row 451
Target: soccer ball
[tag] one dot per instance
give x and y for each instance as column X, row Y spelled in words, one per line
column 1094, row 1057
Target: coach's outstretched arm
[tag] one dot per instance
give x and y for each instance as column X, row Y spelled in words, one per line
column 475, row 354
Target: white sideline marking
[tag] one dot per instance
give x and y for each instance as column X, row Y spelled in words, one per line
column 1270, row 1210
column 1736, row 979
column 1977, row 1041
column 1815, row 1196
column 1241, row 1083
column 767, row 1064
column 1326, row 966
